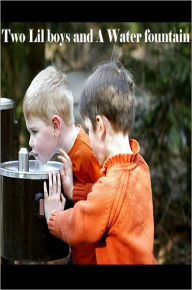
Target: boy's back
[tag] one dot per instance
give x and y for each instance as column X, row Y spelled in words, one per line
column 128, row 198
column 118, row 213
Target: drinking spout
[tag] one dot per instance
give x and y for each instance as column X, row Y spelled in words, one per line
column 23, row 164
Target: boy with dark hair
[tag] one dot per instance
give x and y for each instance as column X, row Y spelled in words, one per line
column 118, row 213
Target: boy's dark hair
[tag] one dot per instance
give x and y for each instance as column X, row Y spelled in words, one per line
column 109, row 91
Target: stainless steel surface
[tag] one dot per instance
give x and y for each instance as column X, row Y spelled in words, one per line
column 23, row 160
column 10, row 169
column 6, row 104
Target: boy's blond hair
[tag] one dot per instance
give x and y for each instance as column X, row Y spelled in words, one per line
column 48, row 95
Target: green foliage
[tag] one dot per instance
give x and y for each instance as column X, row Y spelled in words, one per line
column 165, row 133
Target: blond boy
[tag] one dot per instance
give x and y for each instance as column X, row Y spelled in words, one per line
column 48, row 112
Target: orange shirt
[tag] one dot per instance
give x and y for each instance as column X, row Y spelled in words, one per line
column 117, row 215
column 86, row 171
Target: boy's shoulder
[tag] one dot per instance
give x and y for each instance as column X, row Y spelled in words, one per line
column 81, row 145
column 83, row 137
column 142, row 161
column 85, row 164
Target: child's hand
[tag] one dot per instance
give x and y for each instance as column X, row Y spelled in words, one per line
column 54, row 201
column 66, row 174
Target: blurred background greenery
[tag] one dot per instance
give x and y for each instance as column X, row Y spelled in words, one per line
column 162, row 73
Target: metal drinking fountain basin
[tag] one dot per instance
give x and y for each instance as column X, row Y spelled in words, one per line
column 10, row 169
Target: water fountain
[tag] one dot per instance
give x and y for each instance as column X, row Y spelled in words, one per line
column 25, row 235
column 24, row 232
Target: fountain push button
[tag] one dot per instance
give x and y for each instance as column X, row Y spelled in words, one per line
column 39, row 205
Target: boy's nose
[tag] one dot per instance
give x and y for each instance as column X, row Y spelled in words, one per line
column 30, row 142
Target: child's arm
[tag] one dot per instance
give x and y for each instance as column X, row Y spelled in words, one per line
column 87, row 221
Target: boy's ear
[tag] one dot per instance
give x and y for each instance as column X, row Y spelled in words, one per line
column 56, row 125
column 101, row 126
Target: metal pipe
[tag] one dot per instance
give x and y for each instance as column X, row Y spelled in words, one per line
column 23, row 160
